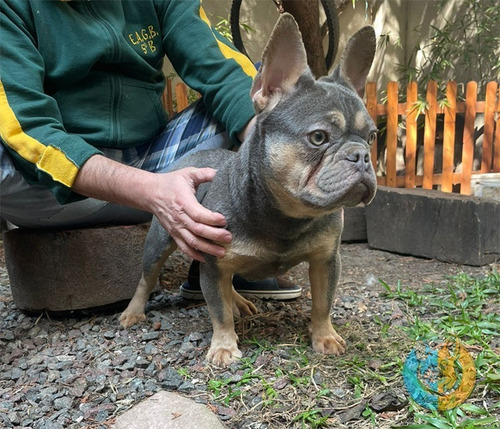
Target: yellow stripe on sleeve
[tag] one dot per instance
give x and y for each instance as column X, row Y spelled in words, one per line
column 48, row 159
column 229, row 52
column 55, row 163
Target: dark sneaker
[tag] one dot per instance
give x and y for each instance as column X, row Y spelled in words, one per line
column 272, row 288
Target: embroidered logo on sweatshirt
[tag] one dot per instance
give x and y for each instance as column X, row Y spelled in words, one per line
column 145, row 38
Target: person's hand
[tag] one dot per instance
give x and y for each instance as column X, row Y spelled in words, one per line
column 169, row 196
column 193, row 227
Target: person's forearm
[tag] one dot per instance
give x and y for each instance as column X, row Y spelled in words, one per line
column 244, row 133
column 108, row 180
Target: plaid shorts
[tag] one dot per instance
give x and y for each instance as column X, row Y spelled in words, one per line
column 192, row 129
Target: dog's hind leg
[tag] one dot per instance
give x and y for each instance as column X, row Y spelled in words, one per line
column 158, row 247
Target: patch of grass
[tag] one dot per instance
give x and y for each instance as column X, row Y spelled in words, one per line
column 289, row 385
column 311, row 418
column 465, row 308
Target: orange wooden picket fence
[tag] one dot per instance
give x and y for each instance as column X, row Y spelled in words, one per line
column 181, row 97
column 443, row 177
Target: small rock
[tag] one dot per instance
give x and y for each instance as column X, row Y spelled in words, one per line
column 142, row 363
column 187, row 386
column 195, row 336
column 63, row 403
column 225, row 413
column 16, row 374
column 170, row 379
column 148, row 336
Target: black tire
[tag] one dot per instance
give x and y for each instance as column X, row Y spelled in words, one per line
column 332, row 21
column 234, row 20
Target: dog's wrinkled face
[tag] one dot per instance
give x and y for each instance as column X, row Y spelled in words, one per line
column 319, row 152
column 318, row 132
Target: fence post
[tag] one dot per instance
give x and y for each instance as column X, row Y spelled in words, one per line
column 489, row 123
column 450, row 116
column 392, row 132
column 411, row 134
column 181, row 96
column 430, row 135
column 468, row 139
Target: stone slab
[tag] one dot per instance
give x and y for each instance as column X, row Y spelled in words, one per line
column 167, row 410
column 449, row 227
column 354, row 224
column 64, row 270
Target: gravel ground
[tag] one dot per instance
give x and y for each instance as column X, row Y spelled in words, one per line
column 82, row 370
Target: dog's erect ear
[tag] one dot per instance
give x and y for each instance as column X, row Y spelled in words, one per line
column 356, row 60
column 283, row 62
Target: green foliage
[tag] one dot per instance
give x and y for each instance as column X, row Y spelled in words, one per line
column 470, row 39
column 223, row 26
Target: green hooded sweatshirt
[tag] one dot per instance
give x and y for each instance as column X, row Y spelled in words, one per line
column 82, row 75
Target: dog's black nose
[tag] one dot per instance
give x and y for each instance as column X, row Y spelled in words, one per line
column 360, row 157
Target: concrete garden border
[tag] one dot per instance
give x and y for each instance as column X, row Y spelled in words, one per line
column 449, row 227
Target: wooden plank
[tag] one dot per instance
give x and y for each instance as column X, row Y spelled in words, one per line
column 430, row 134
column 371, row 106
column 489, row 124
column 168, row 101
column 392, row 132
column 411, row 134
column 450, row 114
column 181, row 96
column 468, row 138
column 496, row 149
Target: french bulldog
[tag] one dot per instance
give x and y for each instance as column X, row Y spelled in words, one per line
column 283, row 192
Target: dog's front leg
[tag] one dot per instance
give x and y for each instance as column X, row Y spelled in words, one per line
column 218, row 292
column 324, row 275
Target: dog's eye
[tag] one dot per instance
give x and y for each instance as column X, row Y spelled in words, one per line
column 318, row 137
column 372, row 137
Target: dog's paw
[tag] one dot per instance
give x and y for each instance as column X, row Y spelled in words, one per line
column 330, row 343
column 223, row 356
column 224, row 348
column 242, row 305
column 129, row 318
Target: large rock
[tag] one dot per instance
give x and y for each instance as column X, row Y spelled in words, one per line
column 449, row 227
column 167, row 410
column 73, row 269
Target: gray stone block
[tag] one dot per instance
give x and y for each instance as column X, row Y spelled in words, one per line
column 168, row 410
column 73, row 269
column 354, row 224
column 432, row 224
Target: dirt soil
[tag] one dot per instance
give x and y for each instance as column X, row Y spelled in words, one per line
column 279, row 383
column 276, row 345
